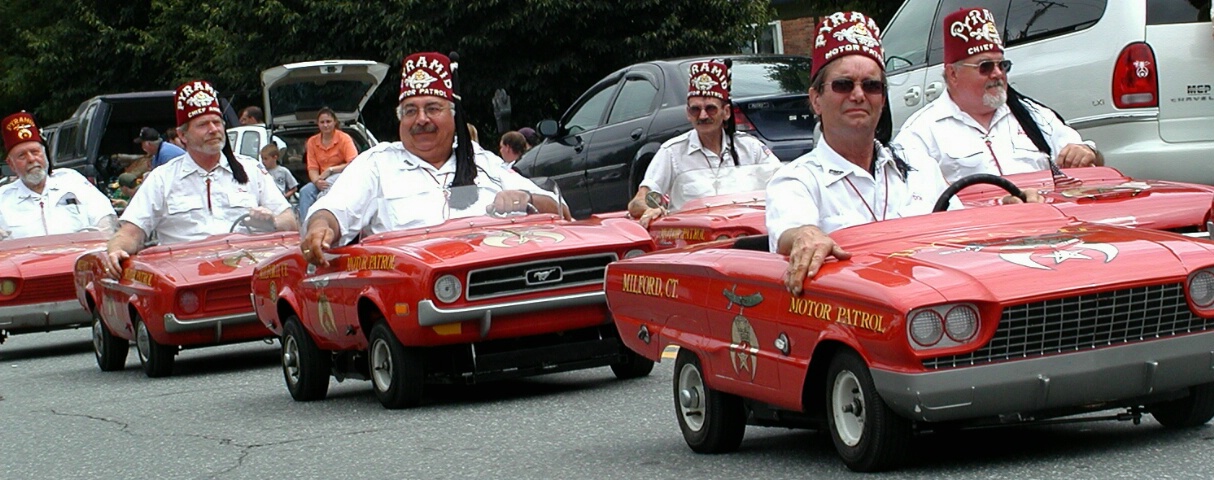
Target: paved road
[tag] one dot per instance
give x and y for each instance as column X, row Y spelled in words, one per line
column 226, row 414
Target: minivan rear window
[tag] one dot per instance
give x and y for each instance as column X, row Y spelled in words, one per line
column 1166, row 12
column 1034, row 20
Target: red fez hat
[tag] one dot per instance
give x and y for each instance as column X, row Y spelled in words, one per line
column 19, row 128
column 196, row 98
column 968, row 32
column 846, row 33
column 709, row 79
column 426, row 73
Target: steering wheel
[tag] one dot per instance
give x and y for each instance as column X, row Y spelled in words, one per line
column 984, row 178
column 248, row 223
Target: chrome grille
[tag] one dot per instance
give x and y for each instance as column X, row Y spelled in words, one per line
column 538, row 276
column 1084, row 322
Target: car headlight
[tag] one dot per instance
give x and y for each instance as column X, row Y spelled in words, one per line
column 447, row 288
column 187, row 301
column 8, row 287
column 926, row 327
column 1201, row 288
column 636, row 252
column 961, row 323
column 723, row 236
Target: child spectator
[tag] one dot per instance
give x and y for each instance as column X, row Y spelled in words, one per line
column 282, row 177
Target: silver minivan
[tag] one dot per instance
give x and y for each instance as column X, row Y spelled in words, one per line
column 1134, row 76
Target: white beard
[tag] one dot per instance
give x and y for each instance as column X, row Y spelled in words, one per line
column 34, row 177
column 997, row 99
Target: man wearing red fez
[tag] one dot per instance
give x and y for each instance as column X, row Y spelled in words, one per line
column 411, row 183
column 849, row 178
column 44, row 202
column 203, row 192
column 981, row 125
column 711, row 159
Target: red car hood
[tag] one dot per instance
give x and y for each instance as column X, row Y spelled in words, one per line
column 216, row 258
column 1104, row 195
column 46, row 255
column 966, row 253
column 476, row 238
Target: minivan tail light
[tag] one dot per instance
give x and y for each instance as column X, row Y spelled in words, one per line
column 740, row 120
column 1135, row 79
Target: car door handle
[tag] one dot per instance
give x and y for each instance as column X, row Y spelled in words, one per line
column 933, row 90
column 911, row 98
column 636, row 134
column 580, row 145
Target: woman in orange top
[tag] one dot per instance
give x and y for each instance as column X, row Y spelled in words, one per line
column 328, row 153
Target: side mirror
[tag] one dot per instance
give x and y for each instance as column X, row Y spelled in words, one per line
column 548, row 128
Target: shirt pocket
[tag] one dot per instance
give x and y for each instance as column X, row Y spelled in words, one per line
column 184, row 205
column 1024, row 150
column 968, row 153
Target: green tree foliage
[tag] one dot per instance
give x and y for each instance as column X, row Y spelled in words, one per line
column 542, row 52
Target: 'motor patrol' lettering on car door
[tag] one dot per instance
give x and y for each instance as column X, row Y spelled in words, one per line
column 651, row 286
column 371, row 262
column 138, row 276
column 828, row 312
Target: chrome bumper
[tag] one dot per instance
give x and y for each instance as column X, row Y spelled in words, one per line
column 1065, row 380
column 64, row 313
column 429, row 314
column 172, row 324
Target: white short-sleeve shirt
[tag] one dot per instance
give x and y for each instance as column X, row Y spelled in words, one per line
column 823, row 189
column 389, row 188
column 944, row 134
column 68, row 203
column 181, row 202
column 683, row 169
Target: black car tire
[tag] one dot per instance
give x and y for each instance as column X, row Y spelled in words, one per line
column 110, row 350
column 711, row 421
column 1192, row 411
column 156, row 359
column 631, row 365
column 396, row 370
column 867, row 434
column 304, row 366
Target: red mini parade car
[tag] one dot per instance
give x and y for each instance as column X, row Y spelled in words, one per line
column 1095, row 194
column 36, row 282
column 470, row 300
column 975, row 317
column 188, row 295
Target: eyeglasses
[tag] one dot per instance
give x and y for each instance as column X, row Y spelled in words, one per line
column 846, row 85
column 711, row 110
column 988, row 66
column 432, row 110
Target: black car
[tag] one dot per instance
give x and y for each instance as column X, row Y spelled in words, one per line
column 598, row 152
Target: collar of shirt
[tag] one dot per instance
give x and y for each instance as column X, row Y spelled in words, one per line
column 190, row 167
column 49, row 191
column 955, row 112
column 834, row 167
column 694, row 145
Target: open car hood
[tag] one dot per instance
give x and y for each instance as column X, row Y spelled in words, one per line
column 295, row 92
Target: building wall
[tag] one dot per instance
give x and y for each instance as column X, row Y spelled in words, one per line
column 798, row 35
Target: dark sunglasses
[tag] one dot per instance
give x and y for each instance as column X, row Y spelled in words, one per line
column 711, row 110
column 988, row 66
column 846, row 85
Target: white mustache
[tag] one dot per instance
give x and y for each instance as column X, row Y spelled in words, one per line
column 427, row 128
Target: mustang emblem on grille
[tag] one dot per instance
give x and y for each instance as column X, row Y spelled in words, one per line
column 544, row 275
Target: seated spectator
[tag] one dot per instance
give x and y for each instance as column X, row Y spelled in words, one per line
column 123, row 189
column 532, row 137
column 511, row 147
column 282, row 177
column 327, row 153
column 252, row 115
column 160, row 151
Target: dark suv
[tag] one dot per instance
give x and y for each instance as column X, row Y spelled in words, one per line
column 598, row 152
